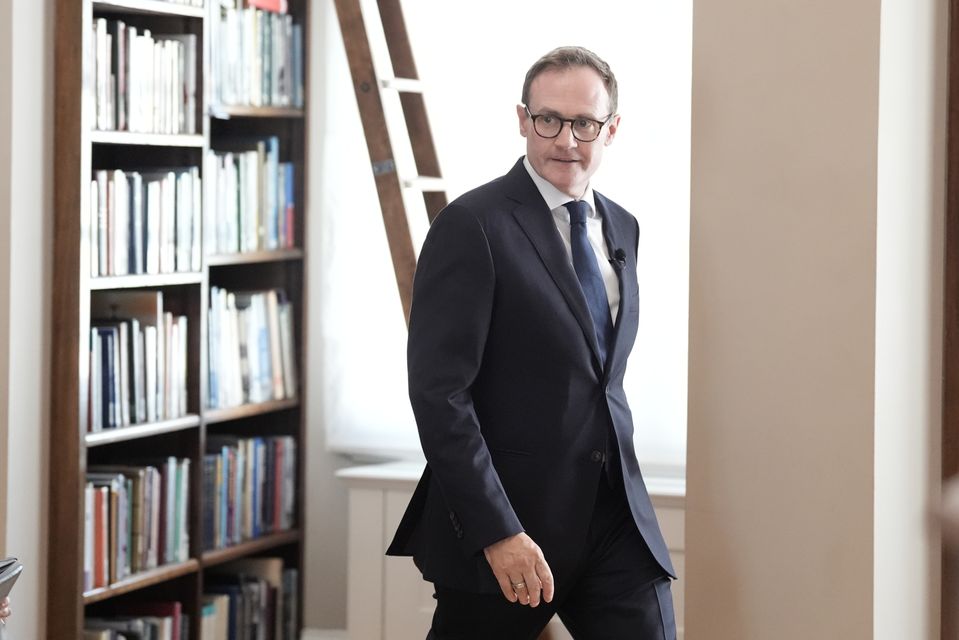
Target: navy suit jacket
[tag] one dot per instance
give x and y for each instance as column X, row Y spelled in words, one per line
column 512, row 404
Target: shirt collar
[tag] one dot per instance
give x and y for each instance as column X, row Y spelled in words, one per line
column 555, row 199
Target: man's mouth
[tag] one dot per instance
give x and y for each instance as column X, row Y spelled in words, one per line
column 566, row 160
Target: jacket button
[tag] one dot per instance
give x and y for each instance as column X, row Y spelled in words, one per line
column 596, row 456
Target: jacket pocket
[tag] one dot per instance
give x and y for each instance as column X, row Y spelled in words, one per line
column 509, row 452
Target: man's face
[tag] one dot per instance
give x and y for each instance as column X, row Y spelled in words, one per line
column 564, row 161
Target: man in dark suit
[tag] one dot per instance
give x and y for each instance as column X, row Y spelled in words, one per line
column 525, row 309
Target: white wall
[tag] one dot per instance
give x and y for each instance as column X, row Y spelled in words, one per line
column 24, row 272
column 6, row 125
column 471, row 77
column 357, row 378
column 911, row 211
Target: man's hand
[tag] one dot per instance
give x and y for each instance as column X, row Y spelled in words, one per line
column 521, row 570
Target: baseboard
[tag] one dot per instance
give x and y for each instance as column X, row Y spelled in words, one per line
column 324, row 634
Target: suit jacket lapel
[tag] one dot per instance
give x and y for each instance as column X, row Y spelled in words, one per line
column 615, row 237
column 536, row 221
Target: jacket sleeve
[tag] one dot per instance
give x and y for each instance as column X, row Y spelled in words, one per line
column 453, row 297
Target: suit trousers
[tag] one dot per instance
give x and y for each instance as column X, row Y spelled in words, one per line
column 617, row 592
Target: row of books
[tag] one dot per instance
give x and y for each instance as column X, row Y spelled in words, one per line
column 251, row 352
column 249, row 488
column 251, row 198
column 138, row 360
column 144, row 621
column 144, row 82
column 145, row 221
column 135, row 519
column 257, row 58
column 250, row 599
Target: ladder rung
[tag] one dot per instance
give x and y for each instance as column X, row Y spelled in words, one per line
column 425, row 183
column 403, row 85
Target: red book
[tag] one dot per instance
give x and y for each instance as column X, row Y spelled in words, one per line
column 277, row 6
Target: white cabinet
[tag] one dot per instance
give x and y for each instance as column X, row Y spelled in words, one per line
column 389, row 600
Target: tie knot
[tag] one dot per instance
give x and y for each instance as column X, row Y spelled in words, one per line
column 577, row 211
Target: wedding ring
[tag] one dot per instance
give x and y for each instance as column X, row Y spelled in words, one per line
column 518, row 585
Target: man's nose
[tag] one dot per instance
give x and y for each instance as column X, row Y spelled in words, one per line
column 565, row 139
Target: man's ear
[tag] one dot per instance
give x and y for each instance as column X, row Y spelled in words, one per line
column 612, row 127
column 523, row 119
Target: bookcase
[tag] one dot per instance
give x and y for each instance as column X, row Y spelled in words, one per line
column 179, row 308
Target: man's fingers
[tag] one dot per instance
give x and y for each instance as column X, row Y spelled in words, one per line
column 546, row 578
column 533, row 588
column 506, row 586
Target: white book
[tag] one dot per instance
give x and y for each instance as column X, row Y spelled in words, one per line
column 185, row 85
column 153, row 213
column 183, row 348
column 96, row 379
column 169, row 368
column 233, row 200
column 169, row 515
column 184, row 222
column 102, row 71
column 88, row 537
column 138, row 377
column 120, row 221
column 167, row 239
column 150, row 369
column 184, row 506
column 286, row 346
column 276, row 355
column 173, row 369
column 196, row 219
column 137, row 223
column 102, row 222
column 93, row 232
column 234, row 380
column 212, row 353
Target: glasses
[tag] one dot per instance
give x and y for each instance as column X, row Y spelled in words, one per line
column 547, row 125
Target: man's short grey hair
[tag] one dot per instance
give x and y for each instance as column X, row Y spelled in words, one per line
column 567, row 58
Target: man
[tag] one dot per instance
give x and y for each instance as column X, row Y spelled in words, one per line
column 525, row 308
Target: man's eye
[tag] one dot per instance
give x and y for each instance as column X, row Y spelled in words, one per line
column 547, row 119
column 583, row 123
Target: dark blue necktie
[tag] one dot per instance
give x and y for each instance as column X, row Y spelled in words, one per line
column 590, row 279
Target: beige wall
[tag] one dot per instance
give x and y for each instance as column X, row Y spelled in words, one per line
column 24, row 270
column 788, row 437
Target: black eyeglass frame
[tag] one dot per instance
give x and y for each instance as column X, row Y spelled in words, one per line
column 562, row 123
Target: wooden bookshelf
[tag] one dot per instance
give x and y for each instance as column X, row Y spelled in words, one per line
column 83, row 152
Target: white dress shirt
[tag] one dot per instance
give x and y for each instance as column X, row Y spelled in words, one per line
column 555, row 199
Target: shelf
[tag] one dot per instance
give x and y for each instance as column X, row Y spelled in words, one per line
column 254, row 257
column 135, row 431
column 224, row 112
column 212, row 416
column 147, row 7
column 141, row 580
column 146, row 139
column 264, row 543
column 141, row 281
